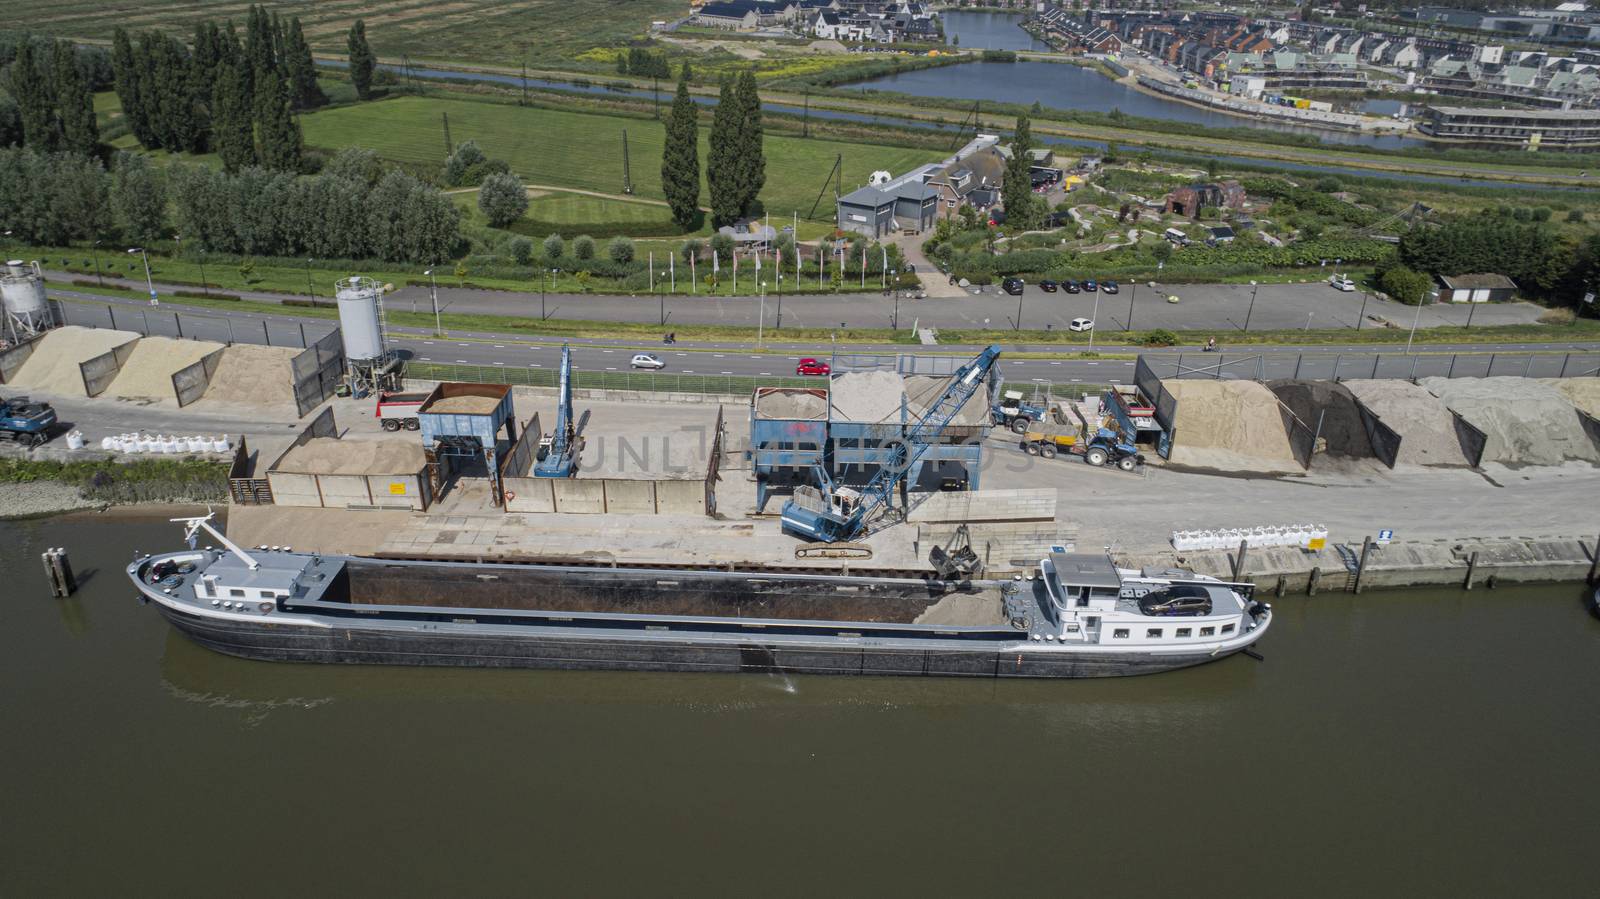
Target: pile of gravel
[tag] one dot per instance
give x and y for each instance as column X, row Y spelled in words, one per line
column 792, row 403
column 330, row 455
column 1427, row 429
column 464, row 405
column 867, row 396
column 251, row 375
column 1331, row 406
column 1229, row 426
column 53, row 367
column 1581, row 392
column 147, row 375
column 1524, row 421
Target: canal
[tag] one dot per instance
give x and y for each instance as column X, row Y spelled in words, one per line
column 972, row 30
column 1424, row 743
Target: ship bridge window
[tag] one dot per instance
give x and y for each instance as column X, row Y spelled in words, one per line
column 1120, row 633
column 1184, row 632
column 236, row 592
column 1153, row 633
column 1227, row 628
column 1208, row 632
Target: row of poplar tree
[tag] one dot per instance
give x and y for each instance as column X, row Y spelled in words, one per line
column 736, row 165
column 55, row 99
column 235, row 97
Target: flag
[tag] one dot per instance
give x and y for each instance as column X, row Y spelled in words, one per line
column 716, row 263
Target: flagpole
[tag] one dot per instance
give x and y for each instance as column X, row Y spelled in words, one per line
column 691, row 274
column 672, row 267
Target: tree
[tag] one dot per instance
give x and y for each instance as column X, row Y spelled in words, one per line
column 357, row 164
column 751, row 159
column 502, row 199
column 620, row 249
column 722, row 248
column 232, row 121
column 80, row 132
column 125, row 68
column 691, row 249
column 554, row 246
column 11, row 124
column 468, row 166
column 1405, row 285
column 139, row 198
column 301, row 70
column 521, row 249
column 41, row 129
column 362, row 62
column 278, row 134
column 722, row 159
column 583, row 248
column 1016, row 187
column 680, row 157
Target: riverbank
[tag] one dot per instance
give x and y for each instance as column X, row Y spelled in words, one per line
column 34, row 487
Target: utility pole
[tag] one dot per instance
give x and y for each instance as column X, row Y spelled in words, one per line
column 1133, row 292
column 655, row 88
column 524, row 79
column 1253, row 288
column 805, row 121
column 627, row 177
column 449, row 148
column 433, row 292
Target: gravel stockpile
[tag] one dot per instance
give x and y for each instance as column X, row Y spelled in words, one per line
column 922, row 391
column 250, row 375
column 1581, row 392
column 797, row 404
column 464, row 405
column 1333, row 407
column 1229, row 426
column 53, row 367
column 1524, row 421
column 866, row 396
column 329, row 455
column 1427, row 429
column 147, row 375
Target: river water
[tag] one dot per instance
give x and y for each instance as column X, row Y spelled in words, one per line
column 1424, row 743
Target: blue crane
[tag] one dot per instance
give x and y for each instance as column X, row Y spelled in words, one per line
column 559, row 459
column 831, row 512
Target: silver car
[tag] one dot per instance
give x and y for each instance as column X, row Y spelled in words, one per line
column 645, row 360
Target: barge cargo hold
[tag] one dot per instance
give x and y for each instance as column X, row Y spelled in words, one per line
column 1078, row 616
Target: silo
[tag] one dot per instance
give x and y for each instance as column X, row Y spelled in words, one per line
column 27, row 311
column 360, row 318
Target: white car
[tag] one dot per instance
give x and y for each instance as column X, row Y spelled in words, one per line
column 645, row 360
column 1081, row 324
column 1342, row 282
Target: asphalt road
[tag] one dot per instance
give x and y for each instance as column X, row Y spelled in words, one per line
column 1552, row 359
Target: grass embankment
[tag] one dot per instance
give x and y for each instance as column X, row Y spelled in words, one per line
column 141, row 481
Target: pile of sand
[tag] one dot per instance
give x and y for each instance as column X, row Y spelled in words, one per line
column 922, row 391
column 867, row 396
column 1524, row 421
column 794, row 404
column 330, row 455
column 53, row 367
column 1332, row 407
column 147, row 375
column 252, row 375
column 1427, row 429
column 464, row 405
column 1229, row 426
column 1581, row 392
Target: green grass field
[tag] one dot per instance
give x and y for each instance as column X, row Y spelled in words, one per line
column 580, row 209
column 579, row 150
column 504, row 32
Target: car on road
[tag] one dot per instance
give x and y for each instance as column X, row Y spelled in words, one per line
column 1069, row 285
column 1089, row 285
column 645, row 360
column 1081, row 324
column 1048, row 286
column 1342, row 282
column 1110, row 287
column 810, row 366
column 1013, row 286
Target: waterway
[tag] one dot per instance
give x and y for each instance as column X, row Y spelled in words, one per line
column 1425, row 743
column 988, row 31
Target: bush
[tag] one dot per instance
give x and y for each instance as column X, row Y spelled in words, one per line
column 1575, row 215
column 722, row 246
column 691, row 249
column 583, row 248
column 620, row 249
column 1404, row 285
column 521, row 249
column 554, row 246
column 502, row 199
column 1160, row 337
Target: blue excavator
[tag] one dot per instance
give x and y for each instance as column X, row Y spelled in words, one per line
column 832, row 512
column 558, row 453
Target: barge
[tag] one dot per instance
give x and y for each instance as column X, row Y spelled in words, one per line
column 1076, row 615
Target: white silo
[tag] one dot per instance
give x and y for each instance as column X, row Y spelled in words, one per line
column 361, row 318
column 27, row 311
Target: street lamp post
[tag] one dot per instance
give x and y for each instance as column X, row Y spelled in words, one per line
column 310, row 291
column 1020, row 294
column 1471, row 308
column 433, row 294
column 1094, row 319
column 1251, row 311
column 895, row 321
column 97, row 279
column 1132, row 292
column 1414, row 319
column 204, row 286
column 149, row 282
column 1363, row 314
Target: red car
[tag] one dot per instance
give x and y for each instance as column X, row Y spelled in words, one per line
column 812, row 367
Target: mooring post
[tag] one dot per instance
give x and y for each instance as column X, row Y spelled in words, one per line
column 1594, row 563
column 1238, row 560
column 1361, row 564
column 59, row 572
column 1283, row 583
column 1472, row 566
column 1313, row 580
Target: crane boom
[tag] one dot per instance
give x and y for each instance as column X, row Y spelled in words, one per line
column 559, row 460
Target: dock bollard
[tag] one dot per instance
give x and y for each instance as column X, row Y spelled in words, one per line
column 1472, row 566
column 59, row 572
column 1361, row 565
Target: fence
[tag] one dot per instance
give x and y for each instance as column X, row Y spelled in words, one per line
column 190, row 383
column 639, row 381
column 184, row 323
column 243, row 487
column 317, row 371
column 1352, row 366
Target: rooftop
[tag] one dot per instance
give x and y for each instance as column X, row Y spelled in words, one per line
column 1480, row 281
column 1085, row 570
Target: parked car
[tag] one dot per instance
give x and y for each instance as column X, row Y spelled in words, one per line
column 1013, row 286
column 810, row 366
column 1109, row 287
column 1081, row 324
column 1069, row 285
column 1177, row 600
column 1089, row 285
column 1048, row 286
column 1342, row 282
column 645, row 360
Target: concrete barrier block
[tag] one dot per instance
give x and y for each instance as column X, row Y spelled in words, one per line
column 630, row 497
column 340, row 490
column 534, row 495
column 681, row 497
column 294, row 489
column 579, row 497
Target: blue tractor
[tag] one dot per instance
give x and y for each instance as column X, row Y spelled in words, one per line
column 26, row 422
column 830, row 513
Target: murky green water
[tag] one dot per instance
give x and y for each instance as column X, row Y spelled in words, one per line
column 1423, row 744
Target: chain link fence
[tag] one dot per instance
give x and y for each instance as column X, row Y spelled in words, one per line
column 637, row 381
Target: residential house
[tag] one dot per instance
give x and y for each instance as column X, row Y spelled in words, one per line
column 956, row 182
column 1479, row 288
column 732, row 15
column 904, row 204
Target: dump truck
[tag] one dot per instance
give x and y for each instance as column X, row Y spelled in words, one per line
column 26, row 422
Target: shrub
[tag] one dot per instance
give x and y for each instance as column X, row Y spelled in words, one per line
column 620, row 249
column 722, row 246
column 1405, row 285
column 1575, row 215
column 1160, row 337
column 502, row 199
column 521, row 249
column 691, row 249
column 554, row 246
column 583, row 248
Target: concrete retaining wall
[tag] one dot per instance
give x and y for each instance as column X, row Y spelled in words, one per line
column 11, row 360
column 294, row 489
column 190, row 383
column 598, row 496
column 99, row 372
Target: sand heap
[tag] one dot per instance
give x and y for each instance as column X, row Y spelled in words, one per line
column 867, row 396
column 1581, row 392
column 1229, row 426
column 250, row 375
column 1331, row 406
column 465, row 405
column 1427, row 429
column 53, row 367
column 1524, row 421
column 795, row 404
column 147, row 375
column 330, row 455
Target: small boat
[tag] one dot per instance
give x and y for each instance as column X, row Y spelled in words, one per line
column 1075, row 615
